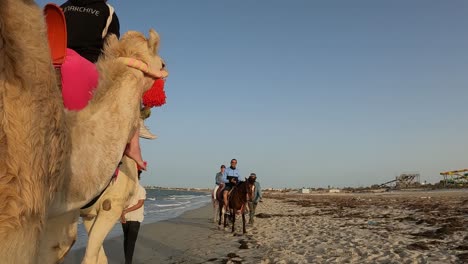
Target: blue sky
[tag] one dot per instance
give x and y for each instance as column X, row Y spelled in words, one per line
column 307, row 93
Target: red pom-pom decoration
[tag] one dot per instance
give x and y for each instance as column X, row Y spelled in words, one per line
column 155, row 96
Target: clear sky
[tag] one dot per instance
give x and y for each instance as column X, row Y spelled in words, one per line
column 307, row 93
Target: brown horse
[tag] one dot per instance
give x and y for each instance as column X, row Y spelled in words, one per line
column 237, row 200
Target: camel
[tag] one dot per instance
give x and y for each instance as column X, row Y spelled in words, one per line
column 53, row 161
column 87, row 181
column 101, row 217
column 89, row 176
column 34, row 140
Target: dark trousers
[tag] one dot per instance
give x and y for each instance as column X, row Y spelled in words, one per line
column 130, row 230
column 252, row 207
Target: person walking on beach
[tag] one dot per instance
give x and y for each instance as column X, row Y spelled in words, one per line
column 131, row 219
column 231, row 179
column 257, row 197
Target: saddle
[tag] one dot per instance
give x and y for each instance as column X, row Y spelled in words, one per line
column 56, row 33
column 77, row 76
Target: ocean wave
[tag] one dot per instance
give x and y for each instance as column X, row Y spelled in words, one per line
column 159, row 206
column 183, row 197
column 167, row 205
column 150, row 212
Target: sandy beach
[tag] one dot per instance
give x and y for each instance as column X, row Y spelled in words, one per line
column 397, row 227
column 190, row 238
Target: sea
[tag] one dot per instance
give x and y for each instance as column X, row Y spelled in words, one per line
column 160, row 204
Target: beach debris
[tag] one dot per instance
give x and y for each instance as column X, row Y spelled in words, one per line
column 243, row 244
column 233, row 258
column 462, row 247
column 407, row 218
column 438, row 233
column 463, row 256
column 263, row 215
column 236, row 260
column 418, row 246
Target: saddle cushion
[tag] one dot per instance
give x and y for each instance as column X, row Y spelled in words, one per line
column 79, row 79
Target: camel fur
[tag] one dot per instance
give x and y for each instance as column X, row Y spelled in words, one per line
column 34, row 138
column 101, row 131
column 101, row 217
column 53, row 161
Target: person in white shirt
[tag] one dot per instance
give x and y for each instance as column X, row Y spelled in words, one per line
column 131, row 219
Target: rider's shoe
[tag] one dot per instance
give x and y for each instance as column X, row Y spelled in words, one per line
column 144, row 131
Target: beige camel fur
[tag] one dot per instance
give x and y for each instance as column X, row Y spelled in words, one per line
column 101, row 217
column 52, row 162
column 99, row 134
column 34, row 139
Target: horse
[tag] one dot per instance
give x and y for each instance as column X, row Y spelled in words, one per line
column 218, row 203
column 239, row 196
column 215, row 203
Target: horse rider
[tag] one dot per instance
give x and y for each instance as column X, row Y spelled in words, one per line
column 219, row 180
column 231, row 179
column 220, row 176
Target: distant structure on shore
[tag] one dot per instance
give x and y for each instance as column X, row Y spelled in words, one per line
column 404, row 180
column 455, row 177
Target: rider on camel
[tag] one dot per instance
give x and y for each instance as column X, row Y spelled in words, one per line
column 89, row 22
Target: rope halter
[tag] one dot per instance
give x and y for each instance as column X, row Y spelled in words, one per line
column 139, row 65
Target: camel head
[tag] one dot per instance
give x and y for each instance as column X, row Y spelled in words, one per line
column 135, row 45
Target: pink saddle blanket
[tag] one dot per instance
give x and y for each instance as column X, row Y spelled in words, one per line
column 79, row 79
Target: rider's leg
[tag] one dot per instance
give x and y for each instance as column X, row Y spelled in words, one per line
column 251, row 211
column 133, row 150
column 225, row 195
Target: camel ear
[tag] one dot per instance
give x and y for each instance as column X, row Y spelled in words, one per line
column 153, row 42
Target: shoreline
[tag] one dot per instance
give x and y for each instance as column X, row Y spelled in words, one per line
column 113, row 246
column 405, row 227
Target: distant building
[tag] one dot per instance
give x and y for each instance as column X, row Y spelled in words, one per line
column 334, row 190
column 303, row 190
